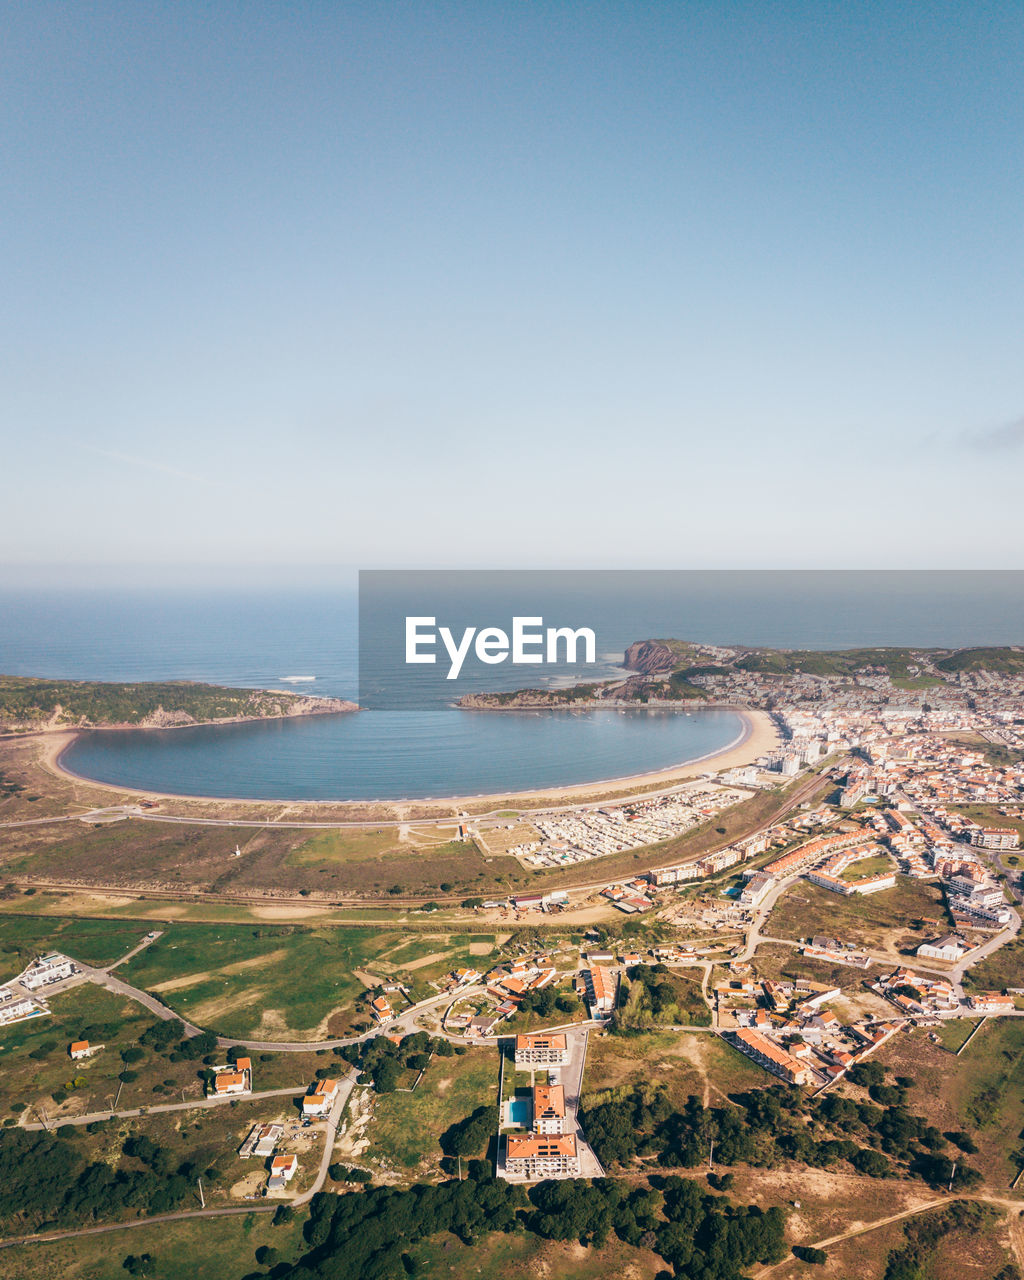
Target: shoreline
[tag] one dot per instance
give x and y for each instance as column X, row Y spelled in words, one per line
column 757, row 736
column 25, row 735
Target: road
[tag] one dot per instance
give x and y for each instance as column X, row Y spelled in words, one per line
column 147, row 941
column 803, row 792
column 192, row 1105
column 330, row 1132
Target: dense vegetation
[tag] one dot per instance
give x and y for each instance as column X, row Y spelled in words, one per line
column 46, row 1182
column 383, row 1063
column 371, row 1235
column 840, row 662
column 652, row 996
column 1004, row 661
column 768, row 1126
column 26, row 702
column 914, row 1260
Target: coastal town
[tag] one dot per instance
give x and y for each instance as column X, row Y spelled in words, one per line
column 868, row 918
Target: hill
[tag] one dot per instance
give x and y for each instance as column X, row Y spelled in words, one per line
column 28, row 704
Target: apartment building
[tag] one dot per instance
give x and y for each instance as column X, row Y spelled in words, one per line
column 599, row 986
column 995, row 838
column 541, row 1051
column 548, row 1109
column 539, row 1156
column 770, row 1056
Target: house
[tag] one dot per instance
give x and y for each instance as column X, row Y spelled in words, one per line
column 262, row 1140
column 79, row 1049
column 229, row 1082
column 320, row 1098
column 17, row 1008
column 381, row 1009
column 282, row 1170
column 548, row 1108
column 233, row 1080
column 541, row 1050
column 536, row 1157
column 991, row 1002
column 46, row 970
column 481, row 1025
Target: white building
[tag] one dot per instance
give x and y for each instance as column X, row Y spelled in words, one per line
column 995, row 838
column 282, row 1170
column 537, row 1156
column 16, row 1008
column 548, row 1109
column 47, row 969
column 756, row 889
column 320, row 1099
column 950, row 948
column 541, row 1050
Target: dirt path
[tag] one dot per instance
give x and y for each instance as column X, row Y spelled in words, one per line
column 1015, row 1225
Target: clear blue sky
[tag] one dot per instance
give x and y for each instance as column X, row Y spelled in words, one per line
column 683, row 284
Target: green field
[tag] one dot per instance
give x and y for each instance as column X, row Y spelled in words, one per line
column 405, row 1128
column 875, row 866
column 29, row 701
column 95, row 942
column 981, row 1092
column 263, row 981
column 779, row 962
column 875, row 920
column 953, row 1032
column 1003, row 968
column 289, row 981
column 988, row 815
column 84, row 1012
column 347, row 861
column 523, row 1256
column 342, row 846
column 688, row 1064
column 226, row 1247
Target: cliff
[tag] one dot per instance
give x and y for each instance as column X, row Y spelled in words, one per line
column 649, row 657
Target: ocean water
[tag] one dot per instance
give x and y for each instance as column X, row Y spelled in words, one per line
column 256, row 638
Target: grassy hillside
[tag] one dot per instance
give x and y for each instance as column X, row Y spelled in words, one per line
column 841, row 662
column 1003, row 661
column 27, row 702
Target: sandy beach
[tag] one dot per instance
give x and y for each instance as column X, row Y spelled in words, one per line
column 758, row 736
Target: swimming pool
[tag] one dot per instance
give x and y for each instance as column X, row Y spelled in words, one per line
column 519, row 1112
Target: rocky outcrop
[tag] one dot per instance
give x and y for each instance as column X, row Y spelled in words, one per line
column 650, row 657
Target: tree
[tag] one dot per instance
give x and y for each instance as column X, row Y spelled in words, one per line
column 808, row 1254
column 873, row 1163
column 385, row 1075
column 867, row 1073
column 469, row 1137
column 137, row 1264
